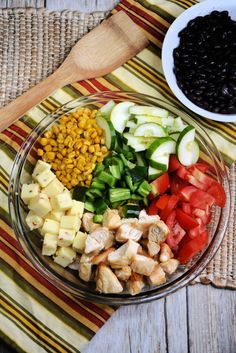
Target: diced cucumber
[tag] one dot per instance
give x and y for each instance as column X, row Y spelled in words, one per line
column 138, row 143
column 144, row 188
column 187, row 148
column 99, row 168
column 107, row 178
column 120, row 115
column 126, row 162
column 97, row 218
column 174, row 135
column 88, row 205
column 131, row 211
column 153, row 173
column 115, row 171
column 142, row 119
column 161, row 162
column 100, row 206
column 107, row 108
column 146, row 110
column 140, row 159
column 150, row 130
column 109, row 131
column 161, row 146
column 119, row 194
column 138, row 173
column 79, row 193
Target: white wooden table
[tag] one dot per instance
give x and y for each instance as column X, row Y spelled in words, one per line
column 196, row 319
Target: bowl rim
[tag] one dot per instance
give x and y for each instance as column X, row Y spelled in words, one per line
column 126, row 299
column 167, row 57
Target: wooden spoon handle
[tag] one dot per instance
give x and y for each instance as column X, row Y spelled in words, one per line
column 32, row 97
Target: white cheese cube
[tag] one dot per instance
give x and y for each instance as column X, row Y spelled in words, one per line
column 56, row 215
column 33, row 220
column 40, row 205
column 65, row 256
column 29, row 191
column 61, row 202
column 79, row 242
column 53, row 188
column 50, row 226
column 77, row 209
column 66, row 237
column 40, row 167
column 49, row 244
column 45, row 177
column 70, row 222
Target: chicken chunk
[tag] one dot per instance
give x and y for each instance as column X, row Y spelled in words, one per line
column 157, row 234
column 123, row 255
column 128, row 231
column 75, row 265
column 102, row 257
column 170, row 266
column 85, row 268
column 157, row 277
column 143, row 265
column 99, row 239
column 88, row 224
column 106, row 280
column 124, row 273
column 111, row 219
column 165, row 253
column 135, row 284
column 145, row 221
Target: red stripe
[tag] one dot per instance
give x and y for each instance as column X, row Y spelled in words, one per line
column 13, row 137
column 144, row 14
column 19, row 130
column 98, row 85
column 48, row 285
column 86, row 85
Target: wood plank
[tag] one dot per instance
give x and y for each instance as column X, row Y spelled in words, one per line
column 83, row 6
column 21, row 3
column 212, row 319
column 176, row 322
column 137, row 328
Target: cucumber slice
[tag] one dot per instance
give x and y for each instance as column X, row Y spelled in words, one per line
column 174, row 135
column 131, row 124
column 138, row 143
column 187, row 148
column 161, row 163
column 178, row 124
column 120, row 115
column 150, row 130
column 145, row 110
column 169, row 121
column 142, row 119
column 153, row 173
column 161, row 146
column 109, row 131
column 107, row 108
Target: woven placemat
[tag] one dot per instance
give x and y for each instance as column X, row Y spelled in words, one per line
column 33, row 43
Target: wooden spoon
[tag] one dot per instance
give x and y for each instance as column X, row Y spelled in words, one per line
column 99, row 52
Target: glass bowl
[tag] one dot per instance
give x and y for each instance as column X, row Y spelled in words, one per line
column 69, row 280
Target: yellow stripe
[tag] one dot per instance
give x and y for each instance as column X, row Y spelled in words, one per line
column 32, row 329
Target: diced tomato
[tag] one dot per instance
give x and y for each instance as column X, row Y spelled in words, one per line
column 159, row 185
column 161, row 203
column 152, row 209
column 204, row 215
column 218, row 192
column 193, row 181
column 173, row 163
column 171, row 204
column 176, row 232
column 201, row 199
column 192, row 247
column 186, row 192
column 203, row 167
column 197, row 230
column 186, row 221
column 182, row 172
column 176, row 183
column 186, row 207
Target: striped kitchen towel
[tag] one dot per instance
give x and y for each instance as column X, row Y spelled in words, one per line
column 35, row 315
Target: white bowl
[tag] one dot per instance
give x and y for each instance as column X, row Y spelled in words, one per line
column 172, row 41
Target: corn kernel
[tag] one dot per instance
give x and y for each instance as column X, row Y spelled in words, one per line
column 60, row 156
column 91, row 149
column 48, row 134
column 74, row 182
column 58, row 173
column 70, row 166
column 48, row 148
column 44, row 141
column 40, row 152
column 84, row 148
column 51, row 156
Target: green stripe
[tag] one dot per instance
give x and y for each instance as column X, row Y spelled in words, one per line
column 11, row 343
column 10, row 316
column 154, row 8
column 74, row 93
column 182, row 5
column 47, row 303
column 34, row 321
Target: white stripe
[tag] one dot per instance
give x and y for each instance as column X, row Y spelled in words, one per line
column 42, row 314
column 151, row 59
